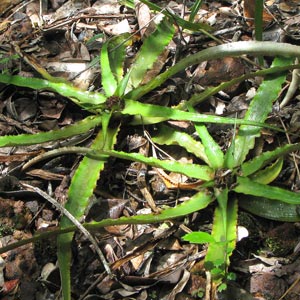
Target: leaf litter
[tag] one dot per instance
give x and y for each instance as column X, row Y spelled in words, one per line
column 149, row 261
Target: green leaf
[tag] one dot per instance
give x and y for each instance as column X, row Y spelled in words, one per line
column 221, row 51
column 188, row 169
column 80, row 191
column 168, row 136
column 105, row 122
column 249, row 187
column 52, row 135
column 163, row 113
column 270, row 209
column 260, row 107
column 117, row 53
column 224, row 233
column 94, row 38
column 212, row 149
column 204, row 173
column 123, row 85
column 222, row 287
column 258, row 24
column 194, row 10
column 198, row 237
column 210, row 91
column 258, row 19
column 267, row 157
column 109, row 82
column 80, row 97
column 268, row 174
column 197, row 202
column 152, row 47
column 177, row 20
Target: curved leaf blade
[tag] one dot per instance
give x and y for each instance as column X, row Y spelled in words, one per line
column 230, row 49
column 108, row 80
column 191, row 170
column 80, row 191
column 194, row 10
column 268, row 174
column 52, row 135
column 183, row 23
column 116, row 53
column 210, row 91
column 258, row 162
column 152, row 47
column 168, row 136
column 270, row 209
column 212, row 150
column 79, row 96
column 162, row 113
column 249, row 187
column 225, row 234
column 197, row 202
column 260, row 107
column 204, row 173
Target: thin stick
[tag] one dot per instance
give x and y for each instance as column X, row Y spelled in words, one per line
column 290, row 288
column 85, row 232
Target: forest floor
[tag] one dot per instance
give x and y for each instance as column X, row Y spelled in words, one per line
column 64, row 37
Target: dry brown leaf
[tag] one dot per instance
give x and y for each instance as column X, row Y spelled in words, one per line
column 249, row 13
column 143, row 16
column 45, row 174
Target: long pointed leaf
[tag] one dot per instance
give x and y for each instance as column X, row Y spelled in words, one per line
column 152, row 47
column 160, row 113
column 168, row 136
column 194, row 10
column 231, row 49
column 204, row 173
column 210, row 91
column 211, row 148
column 268, row 174
column 197, row 202
column 109, row 82
column 258, row 19
column 116, row 53
column 224, row 233
column 80, row 97
column 249, row 187
column 80, row 191
column 265, row 158
column 191, row 170
column 270, row 209
column 260, row 107
column 52, row 135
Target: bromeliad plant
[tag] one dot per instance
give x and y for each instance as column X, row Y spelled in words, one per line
column 224, row 175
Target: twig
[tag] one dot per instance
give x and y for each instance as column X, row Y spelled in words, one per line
column 74, row 221
column 208, row 285
column 294, row 85
column 290, row 288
